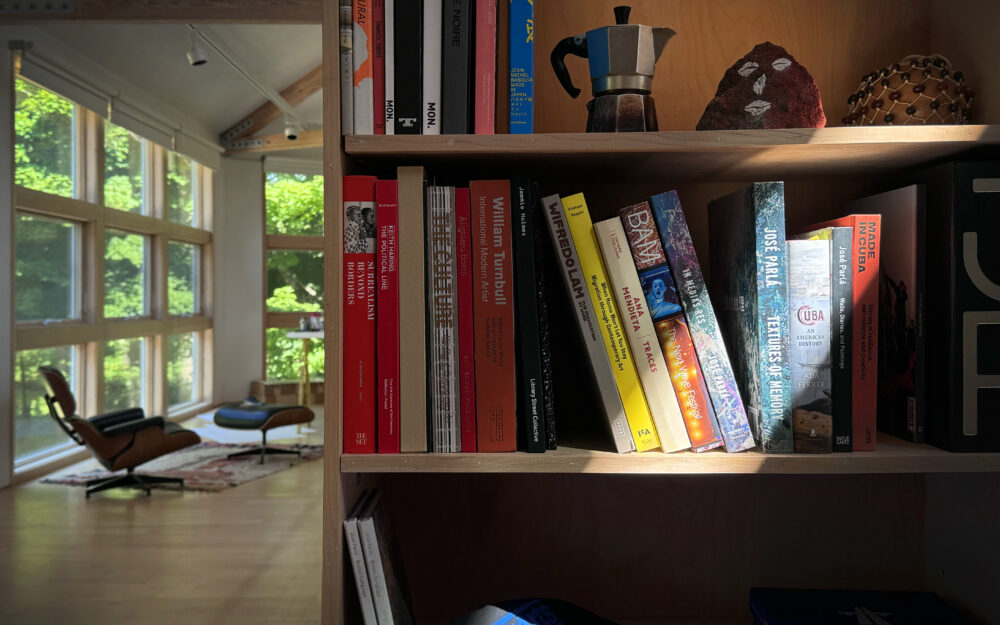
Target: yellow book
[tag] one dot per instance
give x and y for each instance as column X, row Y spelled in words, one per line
column 637, row 413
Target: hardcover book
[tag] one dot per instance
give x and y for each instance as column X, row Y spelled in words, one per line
column 387, row 310
column 531, row 402
column 700, row 315
column 901, row 301
column 501, row 117
column 781, row 606
column 591, row 330
column 466, row 327
column 664, row 306
column 353, row 537
column 359, row 401
column 408, row 67
column 378, row 68
column 456, row 67
column 841, row 331
column 390, row 67
column 442, row 310
column 363, row 51
column 747, row 242
column 390, row 591
column 609, row 321
column 493, row 313
column 432, row 68
column 346, row 68
column 486, row 66
column 522, row 67
column 865, row 245
column 412, row 321
column 809, row 345
column 543, row 263
column 642, row 338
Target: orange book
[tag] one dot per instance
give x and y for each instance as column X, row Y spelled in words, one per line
column 493, row 316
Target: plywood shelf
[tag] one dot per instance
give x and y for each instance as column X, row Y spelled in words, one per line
column 712, row 154
column 892, row 456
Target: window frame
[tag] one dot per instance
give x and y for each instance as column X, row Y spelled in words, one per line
column 78, row 278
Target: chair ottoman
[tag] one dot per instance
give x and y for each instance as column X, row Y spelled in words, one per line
column 263, row 417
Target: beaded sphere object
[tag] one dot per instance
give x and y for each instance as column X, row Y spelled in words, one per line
column 916, row 90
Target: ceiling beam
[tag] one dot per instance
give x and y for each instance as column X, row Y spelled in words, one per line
column 169, row 11
column 274, row 143
column 266, row 113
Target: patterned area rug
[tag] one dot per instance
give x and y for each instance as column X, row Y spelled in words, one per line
column 205, row 467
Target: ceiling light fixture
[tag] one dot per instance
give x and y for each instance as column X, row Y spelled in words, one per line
column 196, row 55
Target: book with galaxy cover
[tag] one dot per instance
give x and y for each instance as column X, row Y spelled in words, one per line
column 522, row 67
column 701, row 320
column 787, row 606
column 543, row 264
column 387, row 311
column 456, row 68
column 442, row 311
column 408, row 67
column 466, row 328
column 750, row 290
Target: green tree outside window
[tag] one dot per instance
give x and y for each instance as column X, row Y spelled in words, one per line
column 44, row 128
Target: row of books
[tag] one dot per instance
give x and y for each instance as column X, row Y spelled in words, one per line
column 431, row 66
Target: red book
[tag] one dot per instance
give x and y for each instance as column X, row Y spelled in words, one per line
column 388, row 317
column 486, row 66
column 865, row 247
column 359, row 315
column 493, row 316
column 466, row 332
column 378, row 69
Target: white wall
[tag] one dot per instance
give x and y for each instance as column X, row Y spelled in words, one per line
column 6, row 269
column 239, row 284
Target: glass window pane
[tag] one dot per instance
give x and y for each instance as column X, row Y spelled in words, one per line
column 124, row 373
column 294, row 204
column 284, row 356
column 182, row 368
column 125, row 266
column 124, row 156
column 294, row 281
column 46, row 278
column 181, row 190
column 44, row 148
column 34, row 429
column 183, row 297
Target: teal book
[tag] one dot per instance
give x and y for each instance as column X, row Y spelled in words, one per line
column 522, row 67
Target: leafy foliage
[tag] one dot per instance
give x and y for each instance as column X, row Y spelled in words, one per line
column 124, row 274
column 182, row 278
column 123, row 169
column 43, row 148
column 123, row 368
column 294, row 204
column 35, row 430
column 44, row 269
column 180, row 189
column 181, row 369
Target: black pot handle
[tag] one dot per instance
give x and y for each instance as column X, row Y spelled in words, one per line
column 569, row 45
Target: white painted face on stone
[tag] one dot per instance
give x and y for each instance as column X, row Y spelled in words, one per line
column 760, row 106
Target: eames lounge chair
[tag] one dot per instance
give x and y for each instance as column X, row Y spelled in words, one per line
column 122, row 439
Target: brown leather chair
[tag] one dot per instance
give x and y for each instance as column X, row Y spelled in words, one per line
column 122, row 439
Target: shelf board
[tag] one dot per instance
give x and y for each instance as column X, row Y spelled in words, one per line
column 892, row 455
column 695, row 154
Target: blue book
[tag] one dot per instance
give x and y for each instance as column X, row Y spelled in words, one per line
column 522, row 67
column 746, row 232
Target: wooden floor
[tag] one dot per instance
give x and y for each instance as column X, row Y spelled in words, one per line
column 247, row 555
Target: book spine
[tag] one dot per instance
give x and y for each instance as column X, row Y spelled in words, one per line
column 466, row 327
column 412, row 321
column 496, row 378
column 364, row 67
column 376, row 575
column 841, row 334
column 641, row 336
column 809, row 272
column 409, row 64
column 442, row 311
column 531, row 420
column 595, row 278
column 867, row 233
column 378, row 68
column 663, row 304
column 486, row 66
column 709, row 346
column 353, row 537
column 522, row 66
column 346, row 68
column 543, row 263
column 389, row 78
column 590, row 331
column 456, row 61
column 387, row 310
column 359, row 401
column 431, row 111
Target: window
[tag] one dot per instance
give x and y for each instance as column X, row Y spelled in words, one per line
column 46, row 269
column 183, row 278
column 34, row 430
column 124, row 169
column 124, row 374
column 45, row 143
column 126, row 257
column 182, row 369
column 284, row 356
column 294, row 281
column 181, row 189
column 294, row 204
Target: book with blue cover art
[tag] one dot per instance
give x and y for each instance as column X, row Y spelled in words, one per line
column 522, row 67
column 746, row 231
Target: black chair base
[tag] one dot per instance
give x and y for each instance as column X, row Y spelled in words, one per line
column 263, row 450
column 130, row 480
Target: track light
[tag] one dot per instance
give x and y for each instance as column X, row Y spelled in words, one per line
column 196, row 55
column 292, row 130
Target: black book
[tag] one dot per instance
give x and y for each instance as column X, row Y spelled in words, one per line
column 456, row 68
column 530, row 413
column 408, row 50
column 544, row 263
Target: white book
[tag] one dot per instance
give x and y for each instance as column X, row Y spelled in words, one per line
column 362, row 51
column 356, row 551
column 432, row 67
column 642, row 339
column 390, row 67
column 373, row 560
column 385, row 566
column 600, row 366
column 346, row 68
